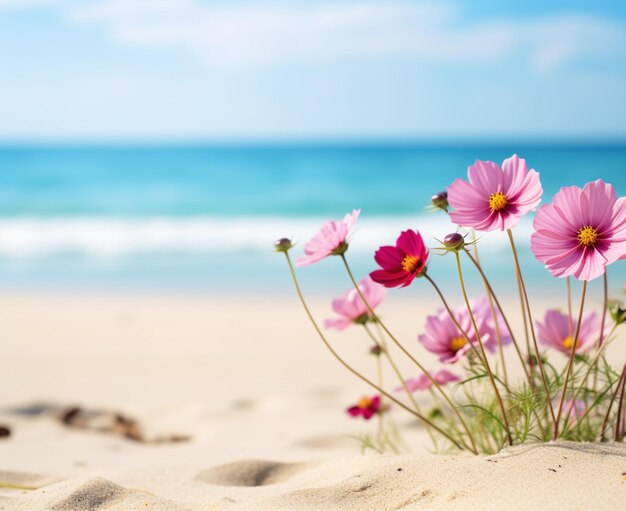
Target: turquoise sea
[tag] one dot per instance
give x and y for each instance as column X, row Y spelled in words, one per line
column 202, row 219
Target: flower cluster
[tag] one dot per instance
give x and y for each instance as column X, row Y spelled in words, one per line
column 579, row 234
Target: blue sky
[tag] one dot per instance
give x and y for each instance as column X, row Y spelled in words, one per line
column 342, row 69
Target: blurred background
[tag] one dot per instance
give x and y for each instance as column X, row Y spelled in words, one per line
column 162, row 145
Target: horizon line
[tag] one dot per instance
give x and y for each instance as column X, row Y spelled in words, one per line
column 330, row 141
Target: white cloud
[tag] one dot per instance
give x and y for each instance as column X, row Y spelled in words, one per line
column 312, row 69
column 262, row 33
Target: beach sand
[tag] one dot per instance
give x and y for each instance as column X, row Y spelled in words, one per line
column 255, row 405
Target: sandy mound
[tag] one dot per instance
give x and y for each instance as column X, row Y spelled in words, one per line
column 553, row 476
column 87, row 494
column 548, row 477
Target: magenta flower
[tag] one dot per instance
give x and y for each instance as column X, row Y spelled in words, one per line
column 443, row 337
column 581, row 231
column 442, row 377
column 558, row 333
column 403, row 262
column 494, row 198
column 351, row 307
column 366, row 407
column 329, row 240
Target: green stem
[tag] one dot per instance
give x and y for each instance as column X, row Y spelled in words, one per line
column 494, row 315
column 385, row 351
column 570, row 364
column 381, row 432
column 504, row 317
column 587, row 411
column 605, row 422
column 482, row 349
column 411, row 357
column 11, row 486
column 532, row 328
column 617, row 436
column 520, row 293
column 604, row 311
column 600, row 350
column 354, row 371
column 569, row 305
column 606, row 306
column 591, row 367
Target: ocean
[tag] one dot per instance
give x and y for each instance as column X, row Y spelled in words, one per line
column 202, row 219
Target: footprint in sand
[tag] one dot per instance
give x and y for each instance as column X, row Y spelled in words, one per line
column 251, row 473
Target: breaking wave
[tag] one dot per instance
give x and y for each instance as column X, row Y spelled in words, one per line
column 117, row 237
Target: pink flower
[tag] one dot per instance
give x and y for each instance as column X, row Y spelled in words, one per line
column 442, row 377
column 351, row 307
column 581, row 231
column 494, row 198
column 443, row 337
column 329, row 240
column 366, row 407
column 403, row 262
column 558, row 333
column 484, row 317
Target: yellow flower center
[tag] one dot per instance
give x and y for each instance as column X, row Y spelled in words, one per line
column 457, row 343
column 364, row 403
column 587, row 236
column 497, row 201
column 567, row 342
column 410, row 263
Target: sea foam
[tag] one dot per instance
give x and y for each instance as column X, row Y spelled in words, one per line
column 119, row 237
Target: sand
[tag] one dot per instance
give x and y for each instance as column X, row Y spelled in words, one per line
column 262, row 403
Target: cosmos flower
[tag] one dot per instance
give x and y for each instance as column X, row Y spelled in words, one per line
column 558, row 332
column 366, row 407
column 351, row 307
column 494, row 198
column 444, row 338
column 442, row 377
column 581, row 231
column 329, row 240
column 403, row 262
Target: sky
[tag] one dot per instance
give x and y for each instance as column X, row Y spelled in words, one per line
column 300, row 70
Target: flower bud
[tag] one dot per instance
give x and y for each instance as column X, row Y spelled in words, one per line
column 440, row 200
column 283, row 245
column 435, row 413
column 376, row 350
column 454, row 241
